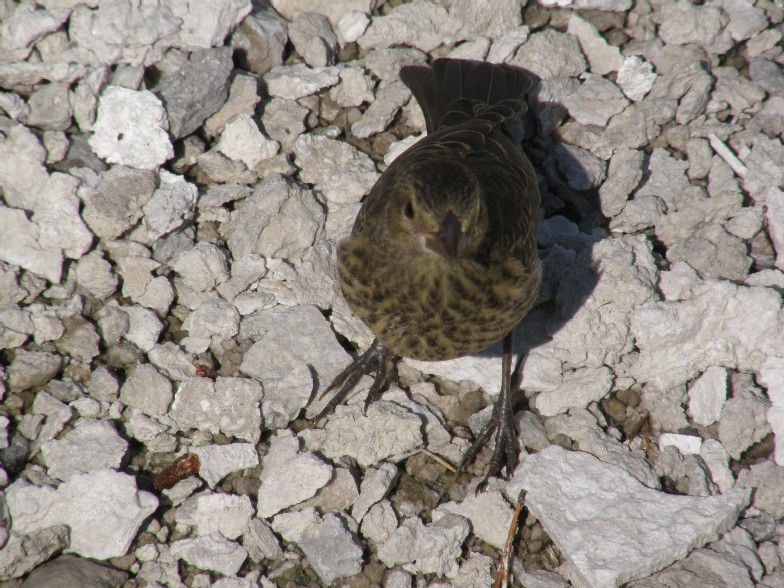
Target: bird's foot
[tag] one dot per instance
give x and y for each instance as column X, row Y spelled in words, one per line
column 505, row 451
column 376, row 359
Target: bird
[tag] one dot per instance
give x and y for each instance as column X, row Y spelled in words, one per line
column 442, row 259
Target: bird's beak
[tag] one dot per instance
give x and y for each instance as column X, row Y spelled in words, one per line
column 449, row 240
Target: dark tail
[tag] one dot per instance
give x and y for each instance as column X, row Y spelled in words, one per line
column 454, row 90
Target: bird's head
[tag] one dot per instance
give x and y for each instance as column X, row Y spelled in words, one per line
column 438, row 210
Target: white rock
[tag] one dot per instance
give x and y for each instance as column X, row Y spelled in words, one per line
column 707, row 396
column 226, row 514
column 686, row 444
column 313, row 38
column 635, row 77
column 25, row 25
column 387, row 431
column 351, row 26
column 289, row 477
column 774, row 214
column 743, row 419
column 374, row 487
column 23, row 247
column 379, row 522
column 242, row 140
column 431, row 549
column 489, row 513
column 214, row 322
column 146, row 389
column 418, row 24
column 226, row 405
column 290, row 342
column 651, row 529
column 218, row 461
column 577, row 390
column 211, row 552
column 144, row 327
column 390, row 97
column 297, row 81
column 718, row 461
column 149, row 432
column 336, row 169
column 172, row 204
column 771, row 375
column 91, row 446
column 22, row 553
column 595, row 102
column 22, row 173
column 281, row 219
column 75, row 503
column 745, row 330
column 130, row 129
column 94, row 274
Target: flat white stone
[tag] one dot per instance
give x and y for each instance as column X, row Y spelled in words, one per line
column 582, row 501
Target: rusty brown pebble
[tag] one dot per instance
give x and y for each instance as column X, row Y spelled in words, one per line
column 186, row 465
column 442, row 260
column 203, row 371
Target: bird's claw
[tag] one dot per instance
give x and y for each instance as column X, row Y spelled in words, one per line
column 375, row 359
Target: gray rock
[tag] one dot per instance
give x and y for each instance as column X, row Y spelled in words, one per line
column 490, row 19
column 595, row 102
column 144, row 327
column 313, row 38
column 130, row 129
column 603, row 58
column 23, row 553
column 624, row 175
column 375, row 486
column 24, row 249
column 212, row 323
column 489, row 513
column 389, row 98
column 261, row 37
column 379, row 522
column 197, row 90
column 767, row 75
column 172, row 204
column 331, row 549
column 32, row 368
column 702, row 567
column 550, row 54
column 643, row 517
column 241, row 140
column 50, row 107
column 94, row 274
column 218, row 461
column 583, row 170
column 68, row 570
column 24, row 26
column 260, row 542
column 115, row 205
column 146, row 389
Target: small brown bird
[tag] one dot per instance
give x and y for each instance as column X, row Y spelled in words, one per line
column 442, row 259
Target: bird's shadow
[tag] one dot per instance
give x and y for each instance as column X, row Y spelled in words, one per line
column 572, row 223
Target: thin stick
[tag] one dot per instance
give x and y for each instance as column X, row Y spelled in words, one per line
column 728, row 156
column 502, row 576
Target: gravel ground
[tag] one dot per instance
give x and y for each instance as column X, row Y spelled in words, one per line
column 173, row 178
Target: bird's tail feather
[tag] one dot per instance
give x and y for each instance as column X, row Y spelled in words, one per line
column 453, row 90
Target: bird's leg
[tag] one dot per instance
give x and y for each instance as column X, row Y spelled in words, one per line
column 501, row 422
column 376, row 359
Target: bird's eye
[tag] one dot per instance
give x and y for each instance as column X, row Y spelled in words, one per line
column 409, row 209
